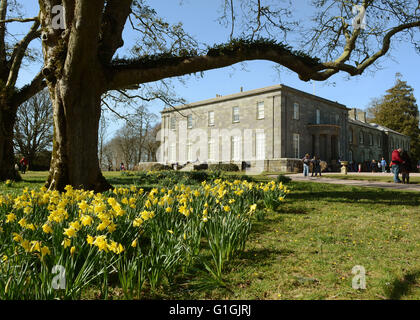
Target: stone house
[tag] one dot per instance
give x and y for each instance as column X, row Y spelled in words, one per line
column 270, row 129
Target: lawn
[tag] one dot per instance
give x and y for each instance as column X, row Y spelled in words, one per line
column 387, row 177
column 307, row 249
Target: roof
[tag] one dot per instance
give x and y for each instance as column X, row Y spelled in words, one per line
column 239, row 95
column 374, row 126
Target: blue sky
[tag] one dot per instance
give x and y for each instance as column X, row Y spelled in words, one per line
column 199, row 19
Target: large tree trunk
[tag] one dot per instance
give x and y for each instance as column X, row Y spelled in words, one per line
column 7, row 158
column 77, row 109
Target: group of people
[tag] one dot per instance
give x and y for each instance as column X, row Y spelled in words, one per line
column 401, row 163
column 316, row 165
column 22, row 166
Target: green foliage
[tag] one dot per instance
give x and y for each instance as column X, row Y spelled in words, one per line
column 242, row 44
column 160, row 167
column 224, row 167
column 398, row 110
column 283, row 179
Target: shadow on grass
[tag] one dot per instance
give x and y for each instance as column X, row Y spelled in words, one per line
column 402, row 287
column 365, row 195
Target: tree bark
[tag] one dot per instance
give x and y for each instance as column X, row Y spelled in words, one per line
column 7, row 159
column 77, row 110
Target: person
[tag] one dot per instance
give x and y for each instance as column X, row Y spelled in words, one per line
column 306, row 162
column 359, row 166
column 383, row 165
column 373, row 166
column 23, row 164
column 122, row 167
column 316, row 167
column 396, row 163
column 405, row 167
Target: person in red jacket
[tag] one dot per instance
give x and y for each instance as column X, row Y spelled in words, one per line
column 396, row 163
column 23, row 164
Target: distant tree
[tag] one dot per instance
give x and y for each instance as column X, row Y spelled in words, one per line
column 152, row 144
column 14, row 53
column 34, row 126
column 398, row 110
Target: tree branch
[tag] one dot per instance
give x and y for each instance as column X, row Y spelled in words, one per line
column 113, row 22
column 28, row 91
column 19, row 53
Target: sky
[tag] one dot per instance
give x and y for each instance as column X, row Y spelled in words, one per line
column 199, row 19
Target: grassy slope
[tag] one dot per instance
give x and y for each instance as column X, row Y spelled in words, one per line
column 308, row 249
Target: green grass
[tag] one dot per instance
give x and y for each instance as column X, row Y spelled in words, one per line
column 307, row 249
column 385, row 178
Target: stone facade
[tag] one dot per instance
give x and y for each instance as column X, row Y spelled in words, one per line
column 270, row 129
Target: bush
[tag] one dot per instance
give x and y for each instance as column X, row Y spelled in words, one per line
column 203, row 166
column 283, row 179
column 160, row 167
column 224, row 167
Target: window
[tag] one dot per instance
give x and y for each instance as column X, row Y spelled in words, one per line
column 318, row 116
column 211, row 150
column 236, row 148
column 172, row 152
column 350, row 156
column 361, row 138
column 370, row 139
column 379, row 140
column 260, row 145
column 189, row 121
column 211, row 118
column 296, row 111
column 337, row 118
column 235, row 114
column 189, row 151
column 351, row 136
column 296, row 145
column 173, row 123
column 260, row 110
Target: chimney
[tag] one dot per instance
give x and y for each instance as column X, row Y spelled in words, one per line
column 352, row 114
column 361, row 116
column 242, row 89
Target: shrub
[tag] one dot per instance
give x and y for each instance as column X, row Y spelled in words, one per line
column 283, row 179
column 224, row 167
column 160, row 167
column 203, row 166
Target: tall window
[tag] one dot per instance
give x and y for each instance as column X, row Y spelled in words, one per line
column 189, row 121
column 337, row 118
column 172, row 152
column 260, row 110
column 189, row 151
column 211, row 150
column 296, row 145
column 370, row 139
column 173, row 123
column 351, row 136
column 236, row 148
column 318, row 116
column 296, row 111
column 350, row 155
column 211, row 118
column 260, row 145
column 361, row 138
column 235, row 114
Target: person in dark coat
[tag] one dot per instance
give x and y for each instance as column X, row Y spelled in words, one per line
column 406, row 167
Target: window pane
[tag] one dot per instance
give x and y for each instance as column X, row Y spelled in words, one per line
column 235, row 114
column 211, row 118
column 296, row 111
column 260, row 145
column 260, row 110
column 189, row 121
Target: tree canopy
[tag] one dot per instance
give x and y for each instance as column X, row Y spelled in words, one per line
column 398, row 110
